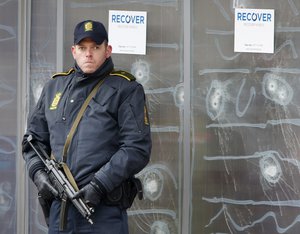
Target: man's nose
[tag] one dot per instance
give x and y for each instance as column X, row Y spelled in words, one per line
column 89, row 51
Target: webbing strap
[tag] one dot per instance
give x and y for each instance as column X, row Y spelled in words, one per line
column 64, row 205
column 71, row 134
column 78, row 118
column 69, row 176
column 67, row 173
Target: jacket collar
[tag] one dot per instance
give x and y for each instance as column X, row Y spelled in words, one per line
column 102, row 71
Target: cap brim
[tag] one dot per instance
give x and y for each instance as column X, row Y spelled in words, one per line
column 98, row 40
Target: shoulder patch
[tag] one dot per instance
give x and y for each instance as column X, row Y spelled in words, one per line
column 124, row 74
column 63, row 73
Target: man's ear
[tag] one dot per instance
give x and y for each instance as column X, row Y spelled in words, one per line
column 73, row 50
column 108, row 51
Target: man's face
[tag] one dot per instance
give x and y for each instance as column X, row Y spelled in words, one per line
column 89, row 56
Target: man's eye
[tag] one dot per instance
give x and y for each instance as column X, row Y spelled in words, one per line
column 81, row 48
column 96, row 47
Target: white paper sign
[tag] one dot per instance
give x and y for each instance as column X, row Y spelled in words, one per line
column 254, row 30
column 127, row 31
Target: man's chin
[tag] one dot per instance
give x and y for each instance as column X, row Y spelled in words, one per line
column 88, row 70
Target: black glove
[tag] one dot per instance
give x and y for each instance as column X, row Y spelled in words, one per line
column 44, row 185
column 92, row 193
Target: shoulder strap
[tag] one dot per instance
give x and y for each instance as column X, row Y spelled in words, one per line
column 63, row 73
column 124, row 74
column 71, row 134
column 66, row 149
column 78, row 118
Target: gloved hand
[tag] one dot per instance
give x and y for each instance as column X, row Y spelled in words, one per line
column 92, row 193
column 44, row 185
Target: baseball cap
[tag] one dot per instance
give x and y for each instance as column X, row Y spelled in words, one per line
column 92, row 29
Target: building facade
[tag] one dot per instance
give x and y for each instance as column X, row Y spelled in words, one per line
column 225, row 125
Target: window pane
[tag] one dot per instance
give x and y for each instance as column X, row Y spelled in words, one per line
column 159, row 71
column 8, row 114
column 245, row 117
column 42, row 66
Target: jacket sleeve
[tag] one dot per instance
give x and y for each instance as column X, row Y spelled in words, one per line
column 38, row 128
column 134, row 140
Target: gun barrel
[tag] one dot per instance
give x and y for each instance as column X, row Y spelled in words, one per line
column 83, row 209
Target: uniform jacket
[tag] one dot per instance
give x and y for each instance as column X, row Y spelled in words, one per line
column 112, row 142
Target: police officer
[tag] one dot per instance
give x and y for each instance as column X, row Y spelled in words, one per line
column 111, row 143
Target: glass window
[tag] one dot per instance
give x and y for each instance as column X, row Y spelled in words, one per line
column 159, row 71
column 245, row 116
column 244, row 113
column 42, row 67
column 8, row 114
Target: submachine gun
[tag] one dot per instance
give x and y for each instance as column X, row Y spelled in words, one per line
column 61, row 183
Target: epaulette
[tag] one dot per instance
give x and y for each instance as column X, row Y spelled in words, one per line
column 63, row 73
column 124, row 74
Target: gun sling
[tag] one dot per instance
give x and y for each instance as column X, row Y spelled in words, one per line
column 64, row 205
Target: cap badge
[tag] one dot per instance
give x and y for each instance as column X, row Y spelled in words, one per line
column 88, row 26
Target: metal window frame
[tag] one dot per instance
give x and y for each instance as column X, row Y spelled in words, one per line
column 24, row 24
column 186, row 189
column 60, row 35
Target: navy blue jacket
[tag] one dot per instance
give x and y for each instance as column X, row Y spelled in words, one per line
column 112, row 141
